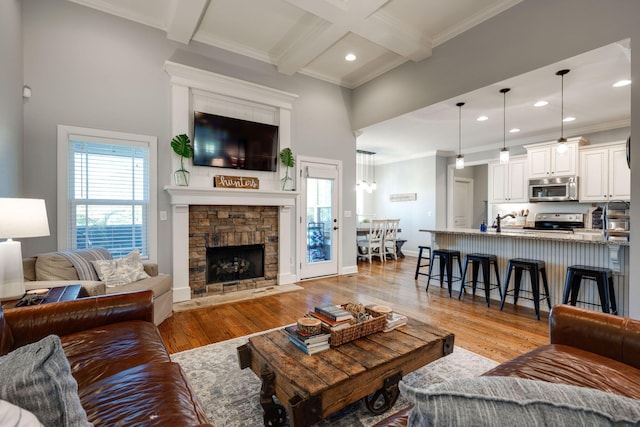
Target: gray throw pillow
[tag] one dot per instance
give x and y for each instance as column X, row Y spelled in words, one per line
column 37, row 377
column 509, row 401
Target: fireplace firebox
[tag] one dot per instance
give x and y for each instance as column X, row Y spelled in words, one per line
column 232, row 263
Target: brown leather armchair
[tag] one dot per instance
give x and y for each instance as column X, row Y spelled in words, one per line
column 124, row 373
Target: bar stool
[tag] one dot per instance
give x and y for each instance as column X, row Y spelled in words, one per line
column 481, row 260
column 445, row 258
column 534, row 267
column 603, row 278
column 420, row 258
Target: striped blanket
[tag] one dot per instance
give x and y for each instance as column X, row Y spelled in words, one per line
column 81, row 260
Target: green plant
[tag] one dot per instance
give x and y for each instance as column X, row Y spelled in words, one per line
column 181, row 145
column 287, row 160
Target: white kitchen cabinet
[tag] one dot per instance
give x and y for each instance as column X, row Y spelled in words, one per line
column 546, row 162
column 604, row 174
column 508, row 182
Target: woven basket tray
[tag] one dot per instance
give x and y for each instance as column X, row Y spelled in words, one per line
column 359, row 330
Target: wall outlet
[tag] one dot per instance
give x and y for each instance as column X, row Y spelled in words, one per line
column 163, row 215
column 347, row 214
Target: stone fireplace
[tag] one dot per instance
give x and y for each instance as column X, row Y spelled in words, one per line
column 232, row 248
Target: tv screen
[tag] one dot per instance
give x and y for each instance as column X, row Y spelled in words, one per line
column 225, row 142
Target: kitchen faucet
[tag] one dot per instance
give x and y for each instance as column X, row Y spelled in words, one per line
column 499, row 218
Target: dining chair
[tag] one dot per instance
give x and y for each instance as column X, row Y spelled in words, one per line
column 390, row 237
column 373, row 245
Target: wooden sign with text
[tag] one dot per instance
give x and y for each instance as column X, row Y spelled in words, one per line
column 226, row 181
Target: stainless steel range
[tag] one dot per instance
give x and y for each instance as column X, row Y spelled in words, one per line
column 560, row 222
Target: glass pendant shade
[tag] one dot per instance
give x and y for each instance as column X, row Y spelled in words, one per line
column 504, row 155
column 562, row 146
column 459, row 161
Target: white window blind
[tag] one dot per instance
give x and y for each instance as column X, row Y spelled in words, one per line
column 108, row 194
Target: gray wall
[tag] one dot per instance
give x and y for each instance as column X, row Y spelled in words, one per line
column 532, row 34
column 94, row 70
column 412, row 176
column 10, row 98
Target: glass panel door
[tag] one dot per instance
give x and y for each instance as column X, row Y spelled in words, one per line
column 319, row 220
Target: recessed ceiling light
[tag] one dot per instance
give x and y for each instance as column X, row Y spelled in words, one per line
column 568, row 119
column 350, row 57
column 514, row 130
column 482, row 118
column 540, row 104
column 621, row 83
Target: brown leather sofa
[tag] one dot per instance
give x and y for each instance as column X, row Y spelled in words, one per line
column 124, row 373
column 587, row 349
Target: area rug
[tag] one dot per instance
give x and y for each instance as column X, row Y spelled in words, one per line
column 211, row 300
column 230, row 396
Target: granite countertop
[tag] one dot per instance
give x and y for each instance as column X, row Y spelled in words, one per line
column 582, row 236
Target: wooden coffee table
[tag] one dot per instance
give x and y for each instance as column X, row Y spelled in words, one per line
column 313, row 387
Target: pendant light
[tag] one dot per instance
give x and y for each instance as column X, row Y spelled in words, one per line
column 460, row 157
column 365, row 170
column 504, row 153
column 562, row 141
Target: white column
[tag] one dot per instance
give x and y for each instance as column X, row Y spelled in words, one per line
column 181, row 289
column 286, row 268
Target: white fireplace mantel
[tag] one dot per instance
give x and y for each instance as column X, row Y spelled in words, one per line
column 183, row 197
column 229, row 196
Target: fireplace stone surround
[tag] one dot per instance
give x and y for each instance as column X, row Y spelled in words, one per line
column 224, row 226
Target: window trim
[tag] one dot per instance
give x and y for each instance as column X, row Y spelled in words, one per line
column 64, row 133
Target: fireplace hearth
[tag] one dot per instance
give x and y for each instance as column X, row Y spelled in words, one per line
column 233, row 263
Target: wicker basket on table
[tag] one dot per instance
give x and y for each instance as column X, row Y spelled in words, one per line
column 375, row 324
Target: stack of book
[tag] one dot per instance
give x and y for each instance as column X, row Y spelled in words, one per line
column 310, row 344
column 395, row 321
column 333, row 317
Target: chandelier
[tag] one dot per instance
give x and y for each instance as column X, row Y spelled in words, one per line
column 366, row 170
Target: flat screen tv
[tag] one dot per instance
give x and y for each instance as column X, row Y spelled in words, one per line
column 225, row 142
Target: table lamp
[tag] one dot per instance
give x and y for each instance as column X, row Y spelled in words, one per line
column 18, row 218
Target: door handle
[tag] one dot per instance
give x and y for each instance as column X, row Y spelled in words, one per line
column 335, row 228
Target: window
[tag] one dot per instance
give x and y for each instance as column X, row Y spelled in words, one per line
column 106, row 191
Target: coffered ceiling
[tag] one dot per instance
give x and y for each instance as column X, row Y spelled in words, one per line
column 312, row 37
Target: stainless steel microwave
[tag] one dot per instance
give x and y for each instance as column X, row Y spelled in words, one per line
column 559, row 189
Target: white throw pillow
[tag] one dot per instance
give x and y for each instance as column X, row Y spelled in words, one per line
column 121, row 271
column 12, row 415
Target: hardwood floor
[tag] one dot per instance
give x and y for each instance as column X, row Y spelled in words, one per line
column 498, row 335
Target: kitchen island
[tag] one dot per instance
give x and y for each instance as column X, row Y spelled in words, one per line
column 557, row 250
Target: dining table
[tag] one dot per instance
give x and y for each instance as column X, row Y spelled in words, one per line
column 363, row 231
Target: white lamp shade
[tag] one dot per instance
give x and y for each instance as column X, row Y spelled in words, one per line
column 23, row 218
column 460, row 161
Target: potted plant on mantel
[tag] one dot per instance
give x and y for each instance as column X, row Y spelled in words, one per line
column 287, row 160
column 181, row 145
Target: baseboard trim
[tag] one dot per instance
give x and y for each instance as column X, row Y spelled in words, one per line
column 350, row 269
column 181, row 294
